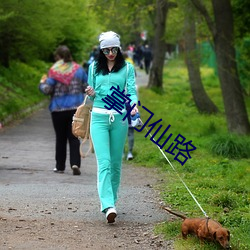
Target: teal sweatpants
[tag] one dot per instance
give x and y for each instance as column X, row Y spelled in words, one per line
column 108, row 139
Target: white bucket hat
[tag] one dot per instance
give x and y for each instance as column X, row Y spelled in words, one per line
column 109, row 39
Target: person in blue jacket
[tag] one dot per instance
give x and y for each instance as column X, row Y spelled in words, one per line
column 65, row 83
column 108, row 129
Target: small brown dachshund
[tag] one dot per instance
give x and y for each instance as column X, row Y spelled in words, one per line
column 204, row 229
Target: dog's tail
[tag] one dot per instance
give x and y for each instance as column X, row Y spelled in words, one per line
column 175, row 213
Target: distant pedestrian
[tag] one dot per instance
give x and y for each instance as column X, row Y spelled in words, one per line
column 128, row 59
column 65, row 84
column 93, row 55
column 147, row 54
column 108, row 130
column 131, row 137
column 130, row 128
column 138, row 55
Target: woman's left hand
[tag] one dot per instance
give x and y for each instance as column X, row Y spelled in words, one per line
column 134, row 110
column 90, row 91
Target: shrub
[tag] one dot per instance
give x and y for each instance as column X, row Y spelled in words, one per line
column 224, row 200
column 231, row 146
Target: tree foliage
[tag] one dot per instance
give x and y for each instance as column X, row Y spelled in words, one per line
column 33, row 29
column 126, row 17
column 242, row 34
column 175, row 25
column 28, row 33
column 241, row 18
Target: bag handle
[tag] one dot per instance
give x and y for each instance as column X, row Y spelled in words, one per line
column 85, row 139
column 91, row 148
column 85, row 99
column 92, row 73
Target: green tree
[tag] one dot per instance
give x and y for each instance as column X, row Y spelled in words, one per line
column 25, row 31
column 241, row 18
column 242, row 33
column 28, row 33
column 221, row 27
column 201, row 99
column 156, row 72
column 127, row 17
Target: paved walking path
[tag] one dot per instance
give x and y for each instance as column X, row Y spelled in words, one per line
column 31, row 193
column 141, row 78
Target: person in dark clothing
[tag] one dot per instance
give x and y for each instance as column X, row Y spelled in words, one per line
column 65, row 83
column 93, row 55
column 130, row 135
column 138, row 56
column 147, row 54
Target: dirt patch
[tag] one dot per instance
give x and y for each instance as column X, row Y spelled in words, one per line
column 51, row 234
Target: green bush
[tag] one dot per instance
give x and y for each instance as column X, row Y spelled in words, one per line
column 231, row 146
column 223, row 200
column 19, row 88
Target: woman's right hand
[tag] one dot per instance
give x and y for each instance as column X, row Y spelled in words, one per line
column 90, row 91
column 134, row 110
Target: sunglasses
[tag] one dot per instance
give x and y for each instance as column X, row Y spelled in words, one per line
column 106, row 51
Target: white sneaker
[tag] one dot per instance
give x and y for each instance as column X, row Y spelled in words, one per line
column 58, row 171
column 111, row 214
column 130, row 156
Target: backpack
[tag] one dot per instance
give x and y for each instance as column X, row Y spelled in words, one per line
column 81, row 126
column 81, row 123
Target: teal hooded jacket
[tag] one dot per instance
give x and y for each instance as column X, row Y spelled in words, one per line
column 102, row 84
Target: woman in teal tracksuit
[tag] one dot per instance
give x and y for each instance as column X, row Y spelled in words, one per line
column 108, row 129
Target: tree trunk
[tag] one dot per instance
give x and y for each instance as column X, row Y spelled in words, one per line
column 201, row 99
column 223, row 38
column 233, row 98
column 159, row 47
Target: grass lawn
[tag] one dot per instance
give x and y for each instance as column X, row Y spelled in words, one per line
column 217, row 172
column 19, row 88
